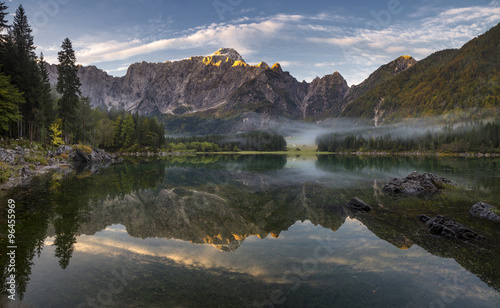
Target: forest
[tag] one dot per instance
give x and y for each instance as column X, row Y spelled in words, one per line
column 478, row 137
column 251, row 141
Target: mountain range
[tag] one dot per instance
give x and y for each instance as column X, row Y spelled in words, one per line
column 222, row 93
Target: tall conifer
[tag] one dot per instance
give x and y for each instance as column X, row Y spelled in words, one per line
column 68, row 84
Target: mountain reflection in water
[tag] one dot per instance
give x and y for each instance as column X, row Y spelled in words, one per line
column 238, row 230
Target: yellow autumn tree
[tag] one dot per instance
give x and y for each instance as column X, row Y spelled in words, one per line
column 56, row 130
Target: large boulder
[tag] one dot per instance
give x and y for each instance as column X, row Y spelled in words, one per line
column 484, row 211
column 446, row 227
column 416, row 184
column 358, row 205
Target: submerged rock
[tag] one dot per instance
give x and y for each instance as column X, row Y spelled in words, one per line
column 416, row 184
column 447, row 227
column 484, row 211
column 358, row 205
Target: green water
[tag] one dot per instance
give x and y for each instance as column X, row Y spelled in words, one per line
column 251, row 231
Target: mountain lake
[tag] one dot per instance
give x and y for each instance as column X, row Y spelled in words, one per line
column 251, row 231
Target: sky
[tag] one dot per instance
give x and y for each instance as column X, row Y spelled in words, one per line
column 309, row 38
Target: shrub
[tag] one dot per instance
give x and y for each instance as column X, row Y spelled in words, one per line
column 82, row 148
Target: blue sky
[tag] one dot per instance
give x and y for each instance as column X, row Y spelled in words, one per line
column 309, row 38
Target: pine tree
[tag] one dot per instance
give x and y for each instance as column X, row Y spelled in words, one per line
column 127, row 131
column 10, row 99
column 46, row 114
column 68, row 84
column 85, row 114
column 117, row 131
column 19, row 62
column 3, row 22
column 21, row 32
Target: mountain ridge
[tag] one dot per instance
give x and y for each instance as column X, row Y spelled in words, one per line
column 202, row 83
column 222, row 93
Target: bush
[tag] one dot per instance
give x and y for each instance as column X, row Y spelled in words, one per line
column 82, row 148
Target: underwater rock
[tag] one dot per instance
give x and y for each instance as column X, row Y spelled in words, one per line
column 358, row 205
column 484, row 211
column 416, row 184
column 447, row 227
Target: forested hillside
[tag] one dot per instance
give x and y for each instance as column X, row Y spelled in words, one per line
column 448, row 81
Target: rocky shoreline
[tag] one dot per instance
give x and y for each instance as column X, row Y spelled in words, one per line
column 19, row 165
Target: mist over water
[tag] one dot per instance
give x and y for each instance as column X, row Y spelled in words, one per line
column 302, row 133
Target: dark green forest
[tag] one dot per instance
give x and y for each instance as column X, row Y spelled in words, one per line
column 251, row 141
column 472, row 137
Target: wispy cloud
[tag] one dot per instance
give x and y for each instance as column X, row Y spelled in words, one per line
column 238, row 36
column 449, row 28
column 305, row 44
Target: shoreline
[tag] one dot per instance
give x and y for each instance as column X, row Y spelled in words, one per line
column 295, row 153
column 39, row 170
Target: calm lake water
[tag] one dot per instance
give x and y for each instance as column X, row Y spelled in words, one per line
column 252, row 231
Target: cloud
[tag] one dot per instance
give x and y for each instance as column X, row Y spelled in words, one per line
column 119, row 69
column 311, row 44
column 449, row 28
column 238, row 36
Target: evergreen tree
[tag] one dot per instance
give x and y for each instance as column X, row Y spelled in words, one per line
column 10, row 99
column 117, row 131
column 19, row 61
column 127, row 131
column 85, row 114
column 3, row 22
column 68, row 84
column 104, row 132
column 45, row 114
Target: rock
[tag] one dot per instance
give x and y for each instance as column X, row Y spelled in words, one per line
column 19, row 150
column 7, row 156
column 80, row 156
column 358, row 205
column 49, row 154
column 416, row 184
column 63, row 149
column 484, row 211
column 446, row 227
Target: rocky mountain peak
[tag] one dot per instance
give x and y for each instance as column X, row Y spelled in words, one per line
column 230, row 53
column 403, row 63
column 277, row 68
